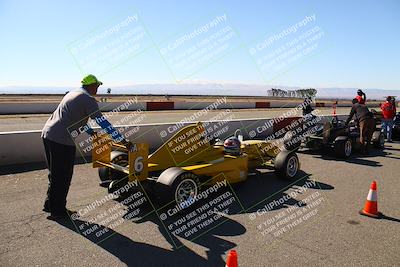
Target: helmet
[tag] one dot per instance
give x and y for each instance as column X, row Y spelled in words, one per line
column 359, row 92
column 232, row 146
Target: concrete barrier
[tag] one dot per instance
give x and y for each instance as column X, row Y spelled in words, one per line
column 263, row 105
column 26, row 146
column 109, row 106
column 21, row 147
column 276, row 104
column 203, row 105
column 283, row 123
column 160, row 105
column 45, row 108
column 27, row 108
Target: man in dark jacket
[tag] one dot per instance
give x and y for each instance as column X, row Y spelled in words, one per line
column 365, row 121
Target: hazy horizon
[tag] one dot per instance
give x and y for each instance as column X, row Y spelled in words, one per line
column 193, row 89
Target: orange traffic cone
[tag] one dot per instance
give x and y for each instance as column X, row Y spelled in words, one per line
column 371, row 205
column 231, row 260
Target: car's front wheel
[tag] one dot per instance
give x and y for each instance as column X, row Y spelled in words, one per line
column 286, row 165
column 175, row 184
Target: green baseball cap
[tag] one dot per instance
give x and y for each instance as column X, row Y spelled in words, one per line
column 90, row 79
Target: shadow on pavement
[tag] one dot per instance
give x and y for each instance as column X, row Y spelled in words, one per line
column 267, row 187
column 258, row 189
column 356, row 158
column 254, row 192
column 216, row 247
column 391, row 148
column 20, row 168
column 14, row 169
column 384, row 217
column 134, row 253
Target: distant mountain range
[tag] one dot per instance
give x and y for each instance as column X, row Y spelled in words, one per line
column 205, row 89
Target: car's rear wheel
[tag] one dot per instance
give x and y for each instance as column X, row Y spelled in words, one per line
column 286, row 165
column 108, row 175
column 343, row 147
column 378, row 139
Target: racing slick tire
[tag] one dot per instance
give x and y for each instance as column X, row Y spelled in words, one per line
column 108, row 175
column 342, row 147
column 286, row 165
column 175, row 184
column 378, row 139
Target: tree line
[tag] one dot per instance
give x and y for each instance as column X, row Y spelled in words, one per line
column 300, row 93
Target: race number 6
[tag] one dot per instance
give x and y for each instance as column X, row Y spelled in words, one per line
column 138, row 162
column 138, row 166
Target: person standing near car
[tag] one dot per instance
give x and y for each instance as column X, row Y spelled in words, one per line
column 307, row 108
column 361, row 97
column 366, row 123
column 388, row 114
column 71, row 115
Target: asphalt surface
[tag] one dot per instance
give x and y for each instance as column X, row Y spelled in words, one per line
column 28, row 122
column 317, row 223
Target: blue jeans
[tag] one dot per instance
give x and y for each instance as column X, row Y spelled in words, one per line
column 387, row 127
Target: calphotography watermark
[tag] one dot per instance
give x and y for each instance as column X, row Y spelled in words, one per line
column 193, row 118
column 285, row 214
column 198, row 140
column 100, row 218
column 200, row 46
column 276, row 53
column 201, row 213
column 268, row 126
column 124, row 117
column 287, row 131
column 110, row 45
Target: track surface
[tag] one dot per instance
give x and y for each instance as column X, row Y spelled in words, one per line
column 336, row 235
column 10, row 123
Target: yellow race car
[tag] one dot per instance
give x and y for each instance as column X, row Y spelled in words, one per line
column 188, row 162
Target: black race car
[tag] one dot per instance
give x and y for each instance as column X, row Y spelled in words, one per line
column 396, row 127
column 334, row 135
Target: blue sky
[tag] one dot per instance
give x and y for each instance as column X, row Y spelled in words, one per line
column 359, row 46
